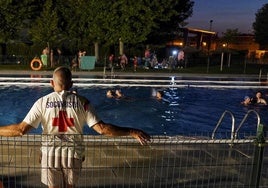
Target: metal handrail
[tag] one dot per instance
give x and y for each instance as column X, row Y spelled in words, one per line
column 112, row 74
column 220, row 121
column 245, row 118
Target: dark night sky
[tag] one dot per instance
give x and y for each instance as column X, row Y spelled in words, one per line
column 226, row 14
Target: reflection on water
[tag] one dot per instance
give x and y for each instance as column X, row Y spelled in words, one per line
column 189, row 110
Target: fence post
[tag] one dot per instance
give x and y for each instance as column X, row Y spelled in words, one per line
column 258, row 157
column 260, row 75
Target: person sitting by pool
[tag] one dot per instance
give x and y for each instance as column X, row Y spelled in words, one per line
column 258, row 99
column 247, row 101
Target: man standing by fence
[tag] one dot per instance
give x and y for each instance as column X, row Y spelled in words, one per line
column 62, row 115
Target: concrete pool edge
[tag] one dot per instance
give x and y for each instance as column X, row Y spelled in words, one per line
column 132, row 74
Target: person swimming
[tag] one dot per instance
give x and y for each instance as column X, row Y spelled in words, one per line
column 116, row 94
column 167, row 96
column 110, row 94
column 258, row 99
column 247, row 101
column 119, row 94
column 159, row 95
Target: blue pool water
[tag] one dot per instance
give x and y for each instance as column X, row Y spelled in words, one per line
column 191, row 110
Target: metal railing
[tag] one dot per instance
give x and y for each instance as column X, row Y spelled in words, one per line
column 220, row 121
column 234, row 130
column 244, row 120
column 179, row 161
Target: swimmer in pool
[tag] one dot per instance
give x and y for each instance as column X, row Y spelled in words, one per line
column 247, row 101
column 159, row 95
column 110, row 94
column 117, row 94
column 258, row 99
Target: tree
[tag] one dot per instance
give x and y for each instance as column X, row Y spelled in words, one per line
column 132, row 21
column 260, row 26
column 45, row 28
column 74, row 19
column 109, row 21
column 171, row 15
column 15, row 17
column 136, row 21
column 83, row 23
column 105, row 22
column 229, row 36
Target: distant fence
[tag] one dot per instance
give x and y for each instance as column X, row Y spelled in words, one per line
column 166, row 162
column 26, row 60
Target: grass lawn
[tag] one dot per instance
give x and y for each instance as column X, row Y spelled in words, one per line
column 200, row 69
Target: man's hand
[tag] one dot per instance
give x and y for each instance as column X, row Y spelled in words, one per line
column 141, row 136
column 113, row 130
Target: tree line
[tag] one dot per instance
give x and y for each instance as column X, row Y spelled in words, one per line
column 82, row 23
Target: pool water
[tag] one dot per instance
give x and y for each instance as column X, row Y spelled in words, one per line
column 186, row 111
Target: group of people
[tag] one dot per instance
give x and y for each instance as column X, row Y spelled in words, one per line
column 149, row 61
column 117, row 94
column 55, row 56
column 76, row 62
column 122, row 60
column 257, row 99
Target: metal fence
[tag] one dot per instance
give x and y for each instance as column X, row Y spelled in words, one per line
column 166, row 162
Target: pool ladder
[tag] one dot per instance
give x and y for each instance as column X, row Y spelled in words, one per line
column 233, row 131
column 105, row 68
column 112, row 74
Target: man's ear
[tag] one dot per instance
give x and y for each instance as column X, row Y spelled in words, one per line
column 52, row 83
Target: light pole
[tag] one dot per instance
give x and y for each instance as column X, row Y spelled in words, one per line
column 222, row 54
column 210, row 24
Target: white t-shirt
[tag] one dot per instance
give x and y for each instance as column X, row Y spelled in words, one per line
column 62, row 116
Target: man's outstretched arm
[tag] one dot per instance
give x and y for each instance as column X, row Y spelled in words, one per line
column 13, row 130
column 113, row 130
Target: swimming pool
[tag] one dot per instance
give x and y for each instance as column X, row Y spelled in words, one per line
column 192, row 106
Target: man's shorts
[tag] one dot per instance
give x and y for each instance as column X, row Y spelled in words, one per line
column 55, row 170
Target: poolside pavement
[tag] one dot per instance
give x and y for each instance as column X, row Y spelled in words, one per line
column 151, row 73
